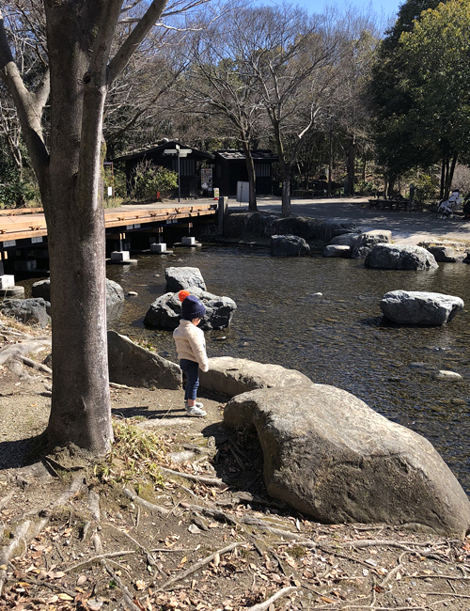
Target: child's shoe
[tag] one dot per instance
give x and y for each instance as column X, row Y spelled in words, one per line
column 194, row 410
column 197, row 404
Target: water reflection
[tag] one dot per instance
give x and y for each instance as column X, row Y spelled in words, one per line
column 335, row 338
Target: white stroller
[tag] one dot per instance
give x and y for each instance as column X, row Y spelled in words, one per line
column 445, row 209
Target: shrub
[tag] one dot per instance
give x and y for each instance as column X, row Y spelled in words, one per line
column 153, row 182
column 17, row 192
column 366, row 187
column 426, row 188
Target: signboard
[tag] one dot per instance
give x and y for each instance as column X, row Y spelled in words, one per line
column 178, row 151
column 206, row 179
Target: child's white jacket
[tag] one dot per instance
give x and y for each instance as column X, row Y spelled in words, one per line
column 190, row 344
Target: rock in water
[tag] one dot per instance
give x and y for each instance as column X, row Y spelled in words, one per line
column 165, row 311
column 179, row 278
column 396, row 256
column 288, row 246
column 420, row 307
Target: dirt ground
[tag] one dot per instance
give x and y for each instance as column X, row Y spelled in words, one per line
column 177, row 518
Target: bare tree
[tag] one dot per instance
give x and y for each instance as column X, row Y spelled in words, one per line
column 220, row 86
column 350, row 111
column 80, row 34
column 140, row 102
column 28, row 44
column 290, row 55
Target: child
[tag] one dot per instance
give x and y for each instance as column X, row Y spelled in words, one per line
column 191, row 348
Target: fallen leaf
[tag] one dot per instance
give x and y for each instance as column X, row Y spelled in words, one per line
column 56, row 574
column 81, row 580
column 140, row 585
column 291, row 562
column 64, row 596
column 325, row 599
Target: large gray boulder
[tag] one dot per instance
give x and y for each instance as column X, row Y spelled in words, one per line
column 114, row 296
column 346, row 239
column 133, row 365
column 114, row 291
column 165, row 311
column 29, row 311
column 258, row 227
column 337, row 250
column 310, row 229
column 420, row 307
column 288, row 246
column 181, row 278
column 247, row 226
column 330, row 456
column 396, row 256
column 444, row 254
column 232, row 376
column 368, row 240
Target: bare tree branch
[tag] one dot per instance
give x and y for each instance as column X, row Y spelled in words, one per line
column 119, row 61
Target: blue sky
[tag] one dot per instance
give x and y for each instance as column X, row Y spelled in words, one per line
column 385, row 10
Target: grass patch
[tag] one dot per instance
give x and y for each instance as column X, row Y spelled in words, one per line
column 135, row 457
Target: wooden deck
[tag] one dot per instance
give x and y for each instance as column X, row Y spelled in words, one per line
column 27, row 224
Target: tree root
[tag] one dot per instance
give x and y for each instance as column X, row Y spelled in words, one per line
column 137, row 499
column 29, row 528
column 35, row 365
column 208, row 481
column 222, row 516
column 198, row 565
column 267, row 603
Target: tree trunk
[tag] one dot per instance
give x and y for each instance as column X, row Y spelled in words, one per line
column 330, row 160
column 450, row 175
column 351, row 163
column 250, row 168
column 286, row 201
column 81, row 412
column 443, row 179
column 81, row 407
column 79, row 37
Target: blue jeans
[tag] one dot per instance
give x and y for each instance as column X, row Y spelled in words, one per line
column 191, row 369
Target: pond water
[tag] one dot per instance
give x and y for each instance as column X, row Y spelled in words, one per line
column 336, row 338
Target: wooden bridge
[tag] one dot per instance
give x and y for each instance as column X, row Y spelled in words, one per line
column 28, row 224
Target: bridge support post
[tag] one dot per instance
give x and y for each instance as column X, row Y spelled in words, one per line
column 222, row 210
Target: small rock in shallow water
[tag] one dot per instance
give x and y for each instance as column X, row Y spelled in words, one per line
column 132, row 294
column 444, row 374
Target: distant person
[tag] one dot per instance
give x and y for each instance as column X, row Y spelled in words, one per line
column 448, row 206
column 191, row 349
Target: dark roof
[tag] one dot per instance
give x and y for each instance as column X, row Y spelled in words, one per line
column 159, row 148
column 237, row 155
